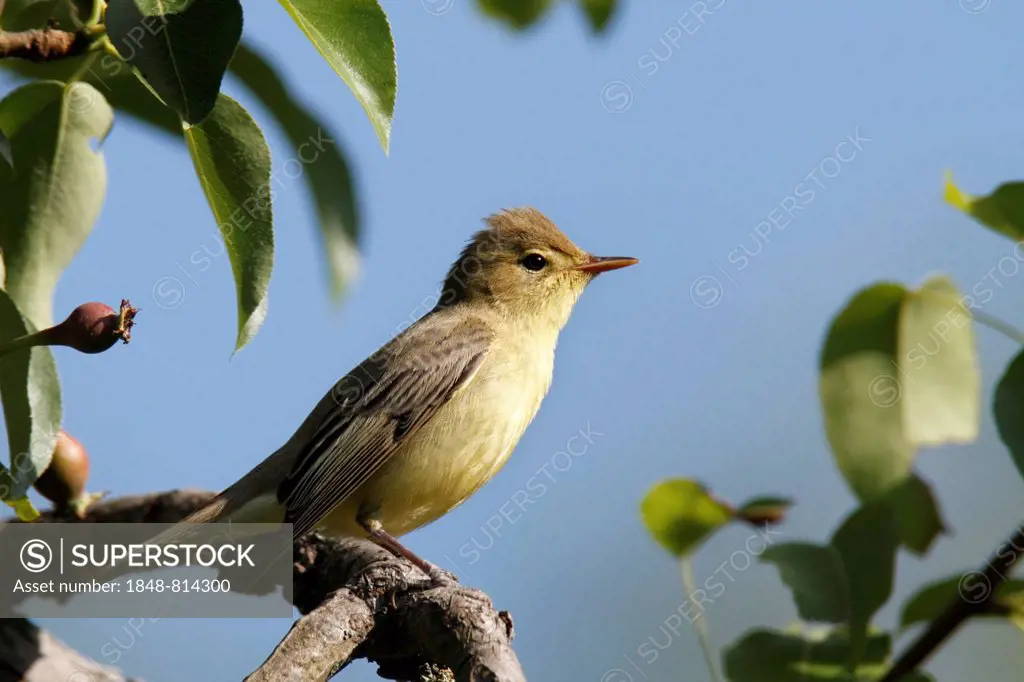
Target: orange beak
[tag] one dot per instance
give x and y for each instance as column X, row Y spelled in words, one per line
column 598, row 264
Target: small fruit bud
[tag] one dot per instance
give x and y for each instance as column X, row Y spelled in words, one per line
column 94, row 327
column 764, row 511
column 63, row 481
column 90, row 328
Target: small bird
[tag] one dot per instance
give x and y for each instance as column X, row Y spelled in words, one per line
column 424, row 422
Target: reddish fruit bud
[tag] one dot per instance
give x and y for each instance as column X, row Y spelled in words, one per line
column 94, row 327
column 63, row 481
column 88, row 329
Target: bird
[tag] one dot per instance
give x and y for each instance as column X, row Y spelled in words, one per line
column 419, row 426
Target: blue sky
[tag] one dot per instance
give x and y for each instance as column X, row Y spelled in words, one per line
column 686, row 365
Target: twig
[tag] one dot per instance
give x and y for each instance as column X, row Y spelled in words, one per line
column 43, row 45
column 995, row 573
column 34, row 655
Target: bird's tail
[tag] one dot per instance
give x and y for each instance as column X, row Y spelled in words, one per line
column 251, row 499
column 212, row 512
column 227, row 507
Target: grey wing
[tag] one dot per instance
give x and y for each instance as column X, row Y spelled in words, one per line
column 380, row 404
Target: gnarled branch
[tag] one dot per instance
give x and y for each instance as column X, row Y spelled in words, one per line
column 357, row 601
column 42, row 45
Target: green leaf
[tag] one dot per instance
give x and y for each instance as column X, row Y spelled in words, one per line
column 23, row 507
column 1002, row 211
column 324, row 167
column 55, row 190
column 772, row 656
column 867, row 542
column 30, row 392
column 680, row 514
column 518, row 14
column 931, row 601
column 898, row 370
column 181, row 48
column 22, row 15
column 816, row 576
column 232, row 162
column 942, row 391
column 1010, row 602
column 355, row 38
column 598, row 13
column 859, row 394
column 916, row 512
column 5, row 156
column 112, row 77
column 1008, row 408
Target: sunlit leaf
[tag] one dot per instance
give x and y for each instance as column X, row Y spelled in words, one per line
column 860, row 394
column 232, row 162
column 354, row 36
column 517, row 13
column 898, row 370
column 53, row 194
column 680, row 514
column 23, row 507
column 30, row 392
column 324, row 167
column 180, row 47
column 1002, row 211
column 771, row 656
column 817, row 578
column 928, row 603
column 941, row 399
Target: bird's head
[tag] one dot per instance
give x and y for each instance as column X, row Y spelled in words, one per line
column 526, row 267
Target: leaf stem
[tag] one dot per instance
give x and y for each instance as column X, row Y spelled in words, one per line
column 43, row 338
column 699, row 626
column 86, row 65
column 999, row 565
column 990, row 321
column 996, row 324
column 96, row 15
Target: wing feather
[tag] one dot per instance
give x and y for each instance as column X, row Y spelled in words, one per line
column 381, row 404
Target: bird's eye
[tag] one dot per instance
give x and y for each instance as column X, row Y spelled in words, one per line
column 534, row 262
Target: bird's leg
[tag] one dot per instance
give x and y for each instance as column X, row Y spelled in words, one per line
column 381, row 537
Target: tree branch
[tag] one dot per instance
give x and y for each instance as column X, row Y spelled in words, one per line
column 357, row 601
column 29, row 654
column 388, row 613
column 993, row 575
column 42, row 45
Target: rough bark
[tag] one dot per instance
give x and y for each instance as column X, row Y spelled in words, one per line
column 42, row 45
column 356, row 600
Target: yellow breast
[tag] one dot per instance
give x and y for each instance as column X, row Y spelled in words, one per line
column 462, row 447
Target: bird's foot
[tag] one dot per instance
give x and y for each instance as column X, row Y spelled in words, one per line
column 438, row 577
